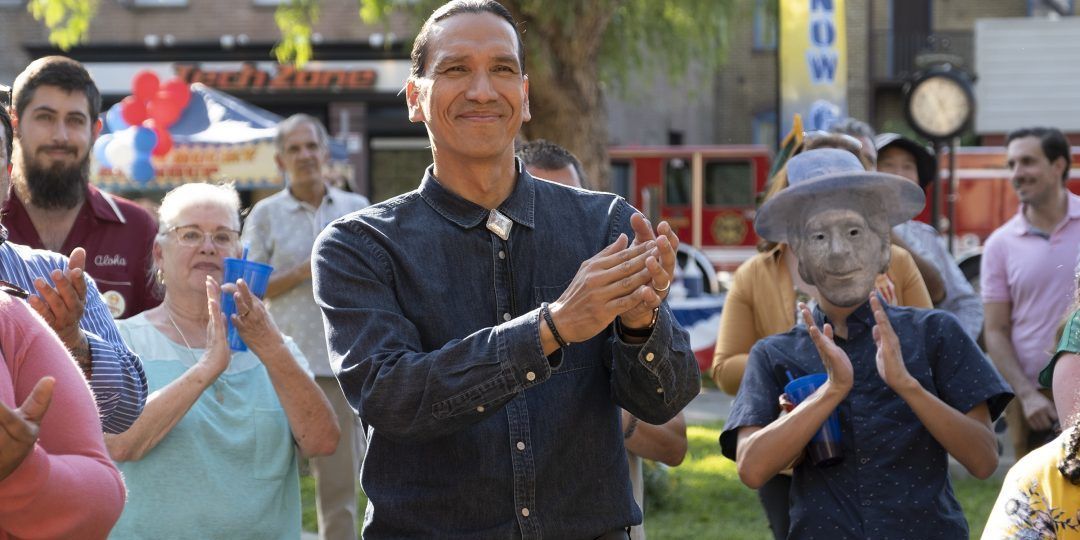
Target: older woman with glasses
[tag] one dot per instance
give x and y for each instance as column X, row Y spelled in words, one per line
column 214, row 454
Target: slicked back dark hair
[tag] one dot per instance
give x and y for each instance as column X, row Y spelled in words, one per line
column 544, row 154
column 61, row 72
column 8, row 133
column 458, row 7
column 1053, row 141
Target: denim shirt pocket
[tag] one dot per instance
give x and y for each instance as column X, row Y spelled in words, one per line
column 578, row 355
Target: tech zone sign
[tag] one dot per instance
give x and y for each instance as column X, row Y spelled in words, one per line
column 261, row 77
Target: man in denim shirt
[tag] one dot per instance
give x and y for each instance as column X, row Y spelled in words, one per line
column 491, row 414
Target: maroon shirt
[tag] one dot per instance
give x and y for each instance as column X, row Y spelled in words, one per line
column 117, row 235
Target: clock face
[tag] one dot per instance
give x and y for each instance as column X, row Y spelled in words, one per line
column 939, row 106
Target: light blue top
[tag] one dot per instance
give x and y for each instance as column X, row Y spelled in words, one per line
column 228, row 469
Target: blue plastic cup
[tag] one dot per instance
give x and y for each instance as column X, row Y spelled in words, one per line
column 257, row 276
column 824, row 448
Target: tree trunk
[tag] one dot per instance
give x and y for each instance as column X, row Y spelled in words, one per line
column 565, row 94
column 574, row 117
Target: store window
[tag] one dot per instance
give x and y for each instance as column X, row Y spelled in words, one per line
column 764, row 128
column 765, row 23
column 677, row 182
column 729, row 183
column 1047, row 8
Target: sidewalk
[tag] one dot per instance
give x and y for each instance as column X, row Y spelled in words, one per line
column 709, row 406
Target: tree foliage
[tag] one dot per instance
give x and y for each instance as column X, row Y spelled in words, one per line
column 68, row 21
column 576, row 49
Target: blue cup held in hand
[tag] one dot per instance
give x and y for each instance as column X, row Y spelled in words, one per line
column 824, row 447
column 257, row 276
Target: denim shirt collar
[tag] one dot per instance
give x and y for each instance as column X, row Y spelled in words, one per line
column 862, row 319
column 519, row 206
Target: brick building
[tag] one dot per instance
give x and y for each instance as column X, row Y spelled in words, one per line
column 885, row 38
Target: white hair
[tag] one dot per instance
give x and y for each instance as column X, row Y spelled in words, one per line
column 195, row 194
column 181, row 198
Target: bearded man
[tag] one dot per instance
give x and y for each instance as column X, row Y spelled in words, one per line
column 56, row 108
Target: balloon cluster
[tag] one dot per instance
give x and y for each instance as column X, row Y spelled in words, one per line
column 140, row 124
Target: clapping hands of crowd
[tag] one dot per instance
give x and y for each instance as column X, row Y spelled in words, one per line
column 63, row 303
column 252, row 320
column 19, row 427
column 836, row 361
column 889, row 358
column 626, row 280
column 218, row 353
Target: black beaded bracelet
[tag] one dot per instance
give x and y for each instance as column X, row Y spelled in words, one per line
column 546, row 313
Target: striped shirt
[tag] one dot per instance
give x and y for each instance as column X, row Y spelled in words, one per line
column 118, row 381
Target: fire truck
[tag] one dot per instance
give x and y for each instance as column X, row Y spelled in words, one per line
column 709, row 195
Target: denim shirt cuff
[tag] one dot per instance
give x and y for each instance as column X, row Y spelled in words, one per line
column 653, row 354
column 520, row 350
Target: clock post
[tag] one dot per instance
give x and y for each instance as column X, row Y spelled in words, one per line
column 939, row 106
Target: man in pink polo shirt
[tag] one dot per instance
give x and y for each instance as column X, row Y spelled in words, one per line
column 1027, row 277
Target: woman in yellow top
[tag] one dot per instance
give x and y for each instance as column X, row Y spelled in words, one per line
column 1040, row 498
column 761, row 302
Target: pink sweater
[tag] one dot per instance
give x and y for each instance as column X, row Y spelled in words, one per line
column 67, row 487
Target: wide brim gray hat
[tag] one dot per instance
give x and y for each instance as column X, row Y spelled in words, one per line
column 835, row 177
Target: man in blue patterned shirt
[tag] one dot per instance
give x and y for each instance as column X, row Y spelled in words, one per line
column 910, row 386
column 490, row 412
column 69, row 301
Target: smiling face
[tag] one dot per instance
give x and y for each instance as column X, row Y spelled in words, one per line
column 841, row 255
column 473, row 95
column 1035, row 178
column 184, row 268
column 54, row 134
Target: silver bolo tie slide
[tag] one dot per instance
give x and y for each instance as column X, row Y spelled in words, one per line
column 499, row 224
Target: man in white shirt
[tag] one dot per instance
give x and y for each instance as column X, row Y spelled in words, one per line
column 281, row 231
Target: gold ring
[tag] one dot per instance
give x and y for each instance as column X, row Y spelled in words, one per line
column 666, row 287
column 245, row 314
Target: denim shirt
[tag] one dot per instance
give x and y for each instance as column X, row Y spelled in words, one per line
column 894, row 480
column 433, row 329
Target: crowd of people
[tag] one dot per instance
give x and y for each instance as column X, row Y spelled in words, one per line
column 492, row 355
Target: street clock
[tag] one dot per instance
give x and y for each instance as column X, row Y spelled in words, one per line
column 940, row 103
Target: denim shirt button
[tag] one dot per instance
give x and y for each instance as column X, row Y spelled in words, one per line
column 507, row 317
column 649, row 357
column 502, row 254
column 530, row 376
column 525, row 512
column 521, row 446
column 480, row 409
column 659, row 390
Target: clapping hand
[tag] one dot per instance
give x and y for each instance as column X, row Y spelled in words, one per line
column 252, row 320
column 62, row 305
column 836, row 361
column 19, row 427
column 661, row 267
column 890, row 360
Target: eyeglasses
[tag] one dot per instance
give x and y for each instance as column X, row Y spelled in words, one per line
column 193, row 236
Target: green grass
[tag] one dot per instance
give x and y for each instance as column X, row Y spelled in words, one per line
column 703, row 498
